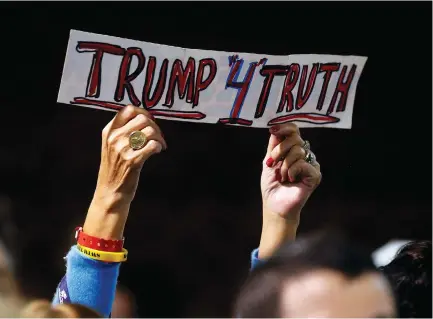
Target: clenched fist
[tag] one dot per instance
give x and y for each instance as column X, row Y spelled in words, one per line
column 120, row 163
column 290, row 175
column 290, row 172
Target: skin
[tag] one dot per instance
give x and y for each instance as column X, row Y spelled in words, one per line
column 123, row 306
column 10, row 300
column 119, row 171
column 329, row 294
column 287, row 182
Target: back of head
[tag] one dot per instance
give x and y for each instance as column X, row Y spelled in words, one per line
column 9, row 294
column 261, row 296
column 9, row 306
column 124, row 305
column 38, row 309
column 44, row 309
column 410, row 275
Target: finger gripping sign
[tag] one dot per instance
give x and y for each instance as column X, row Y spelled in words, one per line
column 241, row 89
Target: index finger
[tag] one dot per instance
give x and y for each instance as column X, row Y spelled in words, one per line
column 285, row 129
column 126, row 114
column 273, row 142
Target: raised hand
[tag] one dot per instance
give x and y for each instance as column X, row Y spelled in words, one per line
column 290, row 175
column 290, row 172
column 127, row 142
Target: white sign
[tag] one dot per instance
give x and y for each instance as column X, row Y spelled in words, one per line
column 244, row 89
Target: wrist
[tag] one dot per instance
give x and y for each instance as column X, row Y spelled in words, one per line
column 288, row 219
column 276, row 230
column 116, row 188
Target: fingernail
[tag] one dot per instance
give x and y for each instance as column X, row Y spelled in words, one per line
column 275, row 128
column 270, row 162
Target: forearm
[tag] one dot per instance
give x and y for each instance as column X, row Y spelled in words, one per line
column 107, row 215
column 92, row 282
column 276, row 230
column 117, row 182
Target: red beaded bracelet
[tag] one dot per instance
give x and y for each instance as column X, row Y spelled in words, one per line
column 96, row 243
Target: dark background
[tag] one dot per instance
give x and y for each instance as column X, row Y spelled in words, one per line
column 197, row 214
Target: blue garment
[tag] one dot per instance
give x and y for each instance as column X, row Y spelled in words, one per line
column 92, row 283
column 88, row 282
column 255, row 261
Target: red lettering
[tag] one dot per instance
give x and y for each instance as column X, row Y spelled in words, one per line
column 343, row 88
column 304, row 95
column 269, row 72
column 328, row 68
column 149, row 102
column 289, row 83
column 204, row 84
column 184, row 78
column 94, row 79
column 124, row 80
column 314, row 118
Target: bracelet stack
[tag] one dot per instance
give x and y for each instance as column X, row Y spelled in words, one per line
column 100, row 249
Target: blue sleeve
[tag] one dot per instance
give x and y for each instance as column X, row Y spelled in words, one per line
column 255, row 261
column 88, row 282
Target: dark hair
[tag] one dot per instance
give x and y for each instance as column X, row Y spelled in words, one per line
column 260, row 295
column 410, row 275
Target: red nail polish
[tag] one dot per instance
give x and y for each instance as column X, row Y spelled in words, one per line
column 270, row 162
column 275, row 128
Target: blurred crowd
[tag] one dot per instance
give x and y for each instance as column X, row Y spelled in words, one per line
column 316, row 276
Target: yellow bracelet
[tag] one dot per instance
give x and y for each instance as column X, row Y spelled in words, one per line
column 104, row 255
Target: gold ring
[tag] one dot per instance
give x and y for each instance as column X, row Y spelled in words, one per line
column 137, row 140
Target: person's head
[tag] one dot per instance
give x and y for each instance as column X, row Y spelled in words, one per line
column 9, row 294
column 124, row 305
column 317, row 276
column 410, row 275
column 44, row 309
